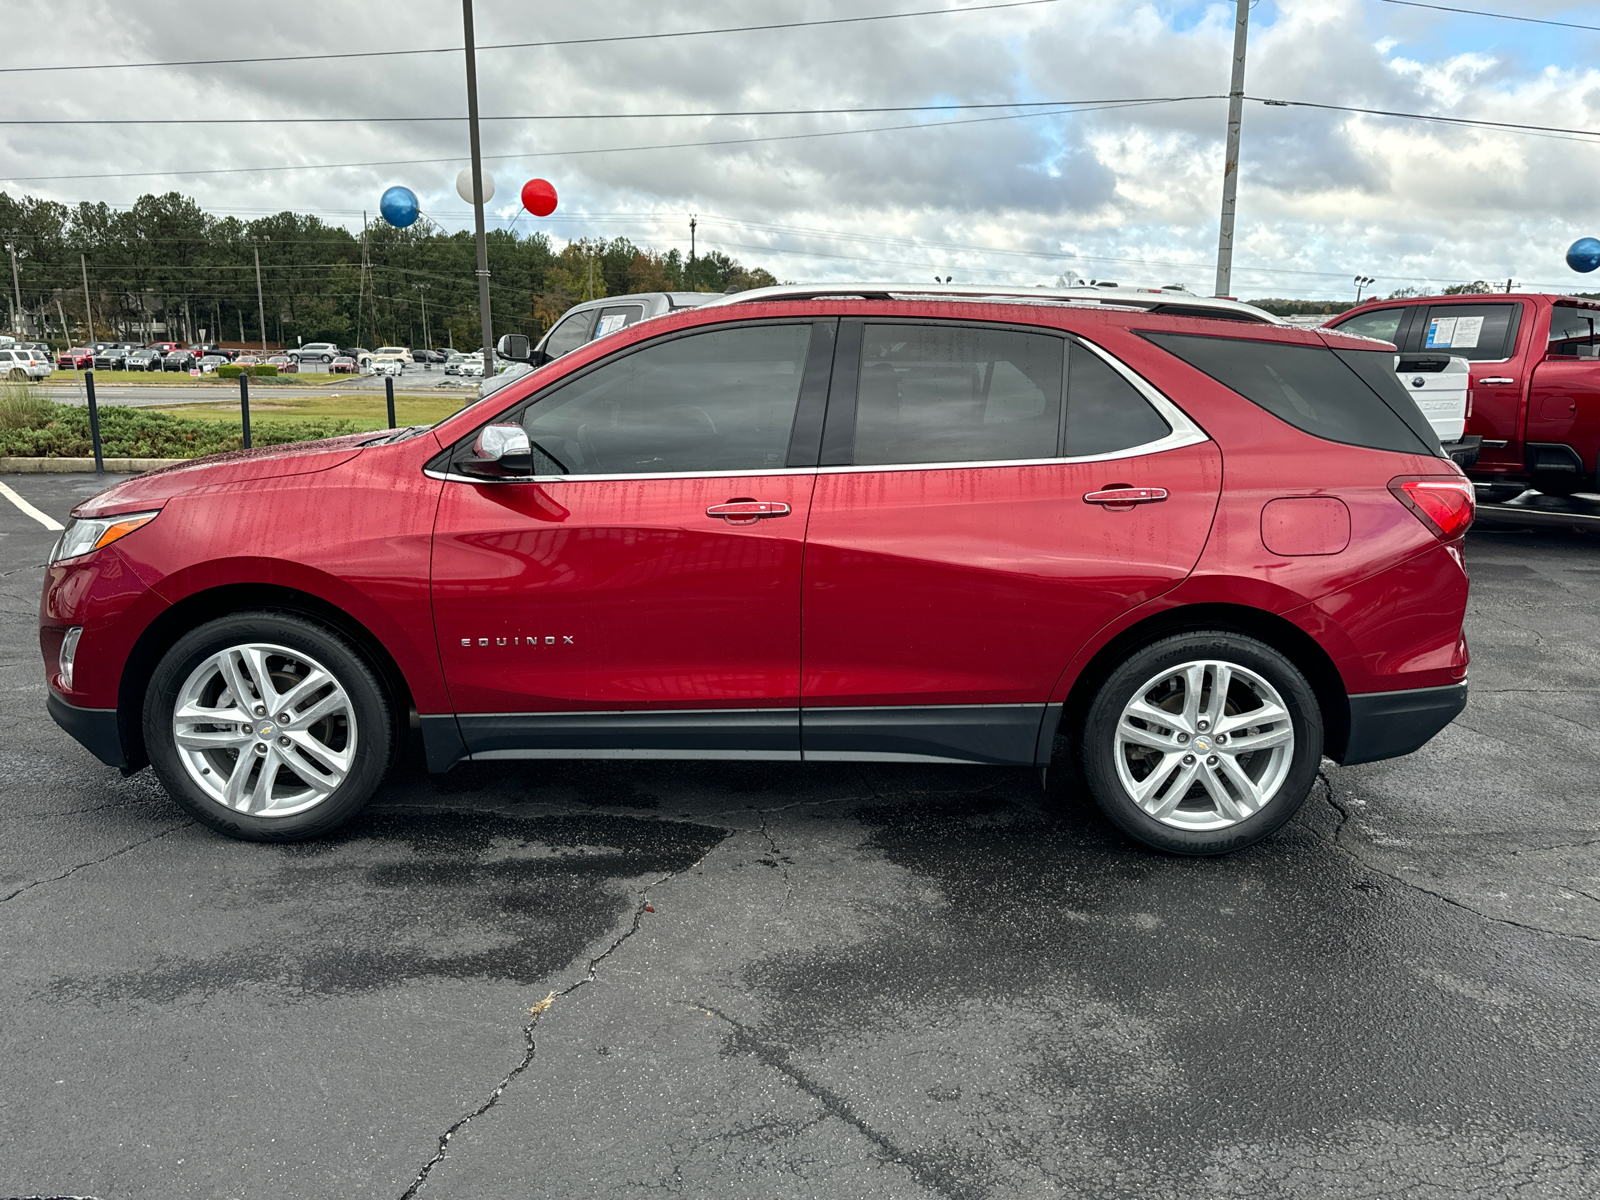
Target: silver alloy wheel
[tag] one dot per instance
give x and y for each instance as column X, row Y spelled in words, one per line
column 264, row 729
column 1204, row 745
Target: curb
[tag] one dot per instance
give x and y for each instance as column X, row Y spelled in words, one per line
column 66, row 466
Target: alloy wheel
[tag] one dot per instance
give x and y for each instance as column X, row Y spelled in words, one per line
column 1204, row 745
column 264, row 730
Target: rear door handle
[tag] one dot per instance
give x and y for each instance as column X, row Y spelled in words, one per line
column 1115, row 496
column 748, row 512
column 1497, row 379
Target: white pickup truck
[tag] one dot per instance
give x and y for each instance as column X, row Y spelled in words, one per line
column 1439, row 385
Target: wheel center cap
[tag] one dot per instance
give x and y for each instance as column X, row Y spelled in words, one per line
column 265, row 729
column 1203, row 744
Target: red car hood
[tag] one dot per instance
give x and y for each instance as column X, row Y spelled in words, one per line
column 155, row 488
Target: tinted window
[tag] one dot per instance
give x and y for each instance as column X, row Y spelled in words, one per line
column 1382, row 323
column 949, row 393
column 717, row 401
column 1573, row 332
column 1309, row 387
column 1105, row 413
column 613, row 319
column 569, row 334
column 1377, row 371
column 1475, row 331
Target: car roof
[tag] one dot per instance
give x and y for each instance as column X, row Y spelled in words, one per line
column 1172, row 300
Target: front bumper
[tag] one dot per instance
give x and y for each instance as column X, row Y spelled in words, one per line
column 95, row 728
column 1465, row 452
column 1389, row 724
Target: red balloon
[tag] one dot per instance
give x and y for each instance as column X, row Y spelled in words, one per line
column 538, row 197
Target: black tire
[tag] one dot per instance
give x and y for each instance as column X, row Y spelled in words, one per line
column 1099, row 750
column 1563, row 486
column 369, row 711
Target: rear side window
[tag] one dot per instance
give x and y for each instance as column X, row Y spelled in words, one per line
column 953, row 393
column 1105, row 413
column 1309, row 387
column 1474, row 331
column 1573, row 332
column 1383, row 324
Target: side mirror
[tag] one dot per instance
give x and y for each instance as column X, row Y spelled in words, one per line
column 506, row 446
column 514, row 346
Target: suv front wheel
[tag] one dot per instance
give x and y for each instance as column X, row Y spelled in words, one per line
column 267, row 727
column 1202, row 743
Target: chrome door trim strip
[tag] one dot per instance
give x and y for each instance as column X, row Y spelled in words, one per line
column 451, row 477
column 744, row 755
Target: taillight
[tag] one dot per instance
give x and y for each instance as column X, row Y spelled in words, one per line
column 1444, row 503
column 1469, row 404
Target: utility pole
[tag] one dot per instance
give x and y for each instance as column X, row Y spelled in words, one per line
column 422, row 289
column 15, row 278
column 1230, row 165
column 477, row 191
column 261, row 305
column 693, row 221
column 88, row 313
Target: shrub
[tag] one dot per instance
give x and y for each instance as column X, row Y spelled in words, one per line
column 62, row 431
column 21, row 407
column 265, row 370
column 231, row 371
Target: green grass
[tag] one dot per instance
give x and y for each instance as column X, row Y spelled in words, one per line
column 364, row 410
column 32, row 427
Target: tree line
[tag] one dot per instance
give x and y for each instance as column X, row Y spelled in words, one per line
column 166, row 260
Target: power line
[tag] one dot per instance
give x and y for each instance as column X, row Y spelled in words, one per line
column 1512, row 126
column 1478, row 12
column 789, row 137
column 747, row 112
column 591, row 41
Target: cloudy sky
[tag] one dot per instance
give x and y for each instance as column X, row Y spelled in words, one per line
column 1129, row 193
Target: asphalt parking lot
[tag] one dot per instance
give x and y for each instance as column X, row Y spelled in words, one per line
column 822, row 980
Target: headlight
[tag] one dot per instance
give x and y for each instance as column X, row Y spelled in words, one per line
column 80, row 537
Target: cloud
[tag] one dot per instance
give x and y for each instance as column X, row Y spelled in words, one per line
column 1129, row 193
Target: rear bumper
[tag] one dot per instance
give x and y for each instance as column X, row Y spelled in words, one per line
column 1389, row 724
column 1465, row 452
column 95, row 728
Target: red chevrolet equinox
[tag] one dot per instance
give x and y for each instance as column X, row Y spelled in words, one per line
column 800, row 526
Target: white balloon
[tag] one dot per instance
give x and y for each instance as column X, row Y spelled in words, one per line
column 464, row 185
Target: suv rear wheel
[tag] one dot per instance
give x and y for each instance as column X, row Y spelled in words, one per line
column 1202, row 743
column 267, row 727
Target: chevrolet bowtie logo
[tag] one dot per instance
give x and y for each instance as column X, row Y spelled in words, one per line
column 547, row 639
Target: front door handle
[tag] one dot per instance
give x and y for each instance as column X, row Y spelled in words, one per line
column 1492, row 379
column 748, row 512
column 1125, row 495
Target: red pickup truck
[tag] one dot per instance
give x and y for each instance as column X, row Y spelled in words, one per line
column 1535, row 379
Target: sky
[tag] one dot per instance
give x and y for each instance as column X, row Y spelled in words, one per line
column 1129, row 193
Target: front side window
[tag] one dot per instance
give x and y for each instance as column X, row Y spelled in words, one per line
column 1474, row 331
column 1383, row 324
column 723, row 400
column 569, row 334
column 950, row 393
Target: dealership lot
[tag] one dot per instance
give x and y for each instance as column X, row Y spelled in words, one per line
column 796, row 980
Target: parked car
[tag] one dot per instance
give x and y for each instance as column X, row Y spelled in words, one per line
column 285, row 364
column 79, row 357
column 144, row 360
column 165, row 347
column 471, row 366
column 112, row 357
column 343, row 365
column 179, row 360
column 991, row 522
column 209, row 363
column 390, row 359
column 582, row 323
column 321, row 352
column 1534, row 378
column 23, row 365
column 453, row 361
column 247, row 360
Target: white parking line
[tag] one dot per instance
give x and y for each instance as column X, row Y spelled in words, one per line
column 44, row 519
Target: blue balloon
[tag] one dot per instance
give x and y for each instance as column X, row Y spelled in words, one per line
column 399, row 207
column 1584, row 254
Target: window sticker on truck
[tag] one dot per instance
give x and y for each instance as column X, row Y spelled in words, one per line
column 1454, row 333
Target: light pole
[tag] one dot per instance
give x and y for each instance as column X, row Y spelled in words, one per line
column 477, row 191
column 427, row 338
column 261, row 305
column 16, row 281
column 1230, row 165
column 1363, row 281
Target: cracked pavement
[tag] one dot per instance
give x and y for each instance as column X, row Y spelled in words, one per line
column 768, row 980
